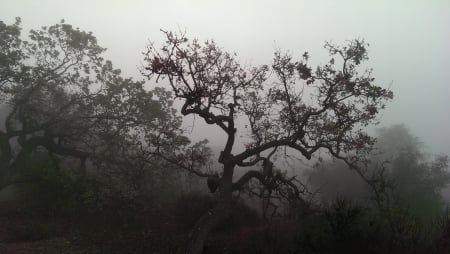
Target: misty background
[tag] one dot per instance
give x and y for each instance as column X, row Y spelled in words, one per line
column 409, row 42
column 127, row 190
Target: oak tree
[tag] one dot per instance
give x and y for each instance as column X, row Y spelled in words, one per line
column 60, row 97
column 287, row 104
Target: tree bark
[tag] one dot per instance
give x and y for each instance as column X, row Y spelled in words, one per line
column 209, row 220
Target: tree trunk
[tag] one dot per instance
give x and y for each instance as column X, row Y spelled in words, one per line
column 209, row 220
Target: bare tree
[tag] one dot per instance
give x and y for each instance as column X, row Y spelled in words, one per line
column 286, row 104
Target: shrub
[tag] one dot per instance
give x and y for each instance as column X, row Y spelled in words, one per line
column 190, row 207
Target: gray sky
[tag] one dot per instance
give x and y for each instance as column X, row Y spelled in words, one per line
column 410, row 40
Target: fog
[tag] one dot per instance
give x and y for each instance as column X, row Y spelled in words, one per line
column 409, row 42
column 93, row 161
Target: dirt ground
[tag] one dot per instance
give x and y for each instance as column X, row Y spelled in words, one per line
column 25, row 233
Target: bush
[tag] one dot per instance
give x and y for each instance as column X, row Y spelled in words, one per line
column 344, row 227
column 190, row 207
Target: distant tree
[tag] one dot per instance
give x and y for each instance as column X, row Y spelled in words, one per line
column 413, row 181
column 64, row 100
column 296, row 107
column 417, row 182
column 332, row 180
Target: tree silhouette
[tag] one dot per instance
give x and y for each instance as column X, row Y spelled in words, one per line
column 62, row 98
column 286, row 104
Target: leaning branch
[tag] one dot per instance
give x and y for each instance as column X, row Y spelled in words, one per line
column 176, row 163
column 288, row 141
column 246, row 178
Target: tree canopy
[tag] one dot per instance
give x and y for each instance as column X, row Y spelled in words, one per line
column 286, row 104
column 61, row 97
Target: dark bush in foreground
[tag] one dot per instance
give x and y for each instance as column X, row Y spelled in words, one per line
column 343, row 227
column 190, row 207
